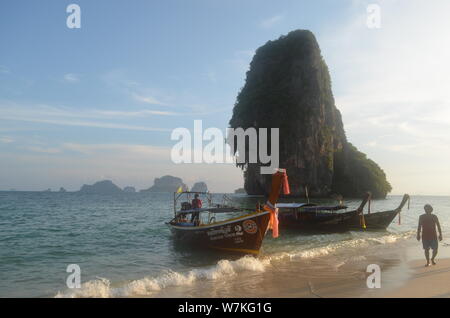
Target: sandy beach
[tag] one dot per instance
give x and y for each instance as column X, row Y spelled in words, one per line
column 420, row 282
column 403, row 276
column 431, row 281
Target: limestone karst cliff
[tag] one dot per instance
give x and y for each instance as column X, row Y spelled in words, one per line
column 166, row 184
column 288, row 86
column 101, row 187
column 199, row 187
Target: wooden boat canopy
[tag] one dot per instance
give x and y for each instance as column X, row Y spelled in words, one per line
column 211, row 210
column 292, row 205
column 191, row 226
column 310, row 207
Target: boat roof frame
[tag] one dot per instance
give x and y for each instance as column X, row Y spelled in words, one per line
column 178, row 195
column 309, row 206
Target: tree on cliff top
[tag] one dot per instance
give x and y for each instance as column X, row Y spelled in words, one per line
column 288, row 86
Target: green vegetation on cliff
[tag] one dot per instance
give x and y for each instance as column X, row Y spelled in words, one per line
column 288, row 87
column 354, row 174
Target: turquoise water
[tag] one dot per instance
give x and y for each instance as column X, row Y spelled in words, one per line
column 124, row 248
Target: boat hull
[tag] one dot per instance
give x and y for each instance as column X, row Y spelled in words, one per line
column 243, row 235
column 317, row 222
column 327, row 222
column 336, row 222
column 379, row 220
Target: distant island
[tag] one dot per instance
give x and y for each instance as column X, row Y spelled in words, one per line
column 199, row 187
column 101, row 187
column 240, row 191
column 62, row 189
column 166, row 184
column 129, row 189
column 288, row 86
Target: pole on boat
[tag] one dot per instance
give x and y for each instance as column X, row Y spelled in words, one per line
column 307, row 194
column 366, row 199
column 174, row 204
column 406, row 198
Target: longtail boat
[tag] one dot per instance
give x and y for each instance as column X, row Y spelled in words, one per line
column 380, row 220
column 199, row 229
column 327, row 219
column 310, row 217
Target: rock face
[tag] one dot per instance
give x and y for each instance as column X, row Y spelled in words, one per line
column 199, row 187
column 129, row 189
column 288, row 87
column 166, row 184
column 101, row 187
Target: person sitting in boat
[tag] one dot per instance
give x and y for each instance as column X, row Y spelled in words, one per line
column 427, row 225
column 182, row 218
column 196, row 204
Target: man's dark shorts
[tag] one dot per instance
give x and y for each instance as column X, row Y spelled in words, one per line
column 427, row 244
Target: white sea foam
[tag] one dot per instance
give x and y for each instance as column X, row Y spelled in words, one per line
column 149, row 285
column 224, row 269
column 95, row 288
column 362, row 240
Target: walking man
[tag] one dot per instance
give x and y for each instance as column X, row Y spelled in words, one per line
column 427, row 225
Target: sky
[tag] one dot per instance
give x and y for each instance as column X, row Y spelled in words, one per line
column 100, row 102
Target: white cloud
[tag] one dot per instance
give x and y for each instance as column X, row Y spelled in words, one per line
column 71, row 78
column 43, row 149
column 6, row 139
column 79, row 117
column 272, row 21
column 139, row 113
column 80, row 123
column 147, row 99
column 118, row 79
column 127, row 149
column 391, row 85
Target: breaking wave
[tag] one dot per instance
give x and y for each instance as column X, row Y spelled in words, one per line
column 359, row 241
column 149, row 286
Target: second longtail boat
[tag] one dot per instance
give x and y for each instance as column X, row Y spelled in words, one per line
column 309, row 217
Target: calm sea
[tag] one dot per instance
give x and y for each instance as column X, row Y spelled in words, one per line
column 124, row 248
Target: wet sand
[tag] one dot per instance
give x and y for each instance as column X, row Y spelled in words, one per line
column 431, row 281
column 403, row 276
column 413, row 281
